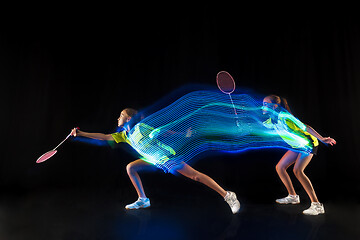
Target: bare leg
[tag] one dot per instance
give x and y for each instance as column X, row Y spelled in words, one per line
column 191, row 173
column 302, row 161
column 286, row 161
column 132, row 170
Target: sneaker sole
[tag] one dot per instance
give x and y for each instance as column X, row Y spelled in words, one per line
column 287, row 203
column 136, row 208
column 308, row 214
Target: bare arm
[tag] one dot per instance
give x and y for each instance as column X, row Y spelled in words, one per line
column 98, row 136
column 326, row 140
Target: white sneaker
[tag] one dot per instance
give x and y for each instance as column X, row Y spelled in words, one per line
column 140, row 203
column 290, row 199
column 316, row 208
column 234, row 204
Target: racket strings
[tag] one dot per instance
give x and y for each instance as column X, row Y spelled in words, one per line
column 225, row 82
column 46, row 156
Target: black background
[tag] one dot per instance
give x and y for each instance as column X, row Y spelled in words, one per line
column 81, row 68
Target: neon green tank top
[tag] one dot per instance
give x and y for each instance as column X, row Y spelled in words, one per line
column 292, row 131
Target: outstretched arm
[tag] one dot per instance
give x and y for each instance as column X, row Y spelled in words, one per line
column 99, row 136
column 326, row 140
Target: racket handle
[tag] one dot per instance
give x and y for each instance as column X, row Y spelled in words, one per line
column 77, row 128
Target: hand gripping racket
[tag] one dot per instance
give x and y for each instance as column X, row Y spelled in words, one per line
column 51, row 153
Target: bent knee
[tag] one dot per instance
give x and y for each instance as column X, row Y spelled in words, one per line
column 298, row 172
column 129, row 168
column 280, row 168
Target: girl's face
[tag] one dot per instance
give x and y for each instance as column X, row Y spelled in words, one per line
column 267, row 104
column 124, row 118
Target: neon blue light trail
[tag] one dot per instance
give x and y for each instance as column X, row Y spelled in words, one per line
column 205, row 121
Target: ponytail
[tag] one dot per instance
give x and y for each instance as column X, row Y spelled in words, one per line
column 285, row 104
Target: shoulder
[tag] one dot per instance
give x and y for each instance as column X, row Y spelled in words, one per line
column 119, row 136
column 292, row 121
column 286, row 116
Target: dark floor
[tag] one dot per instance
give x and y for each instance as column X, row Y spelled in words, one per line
column 99, row 214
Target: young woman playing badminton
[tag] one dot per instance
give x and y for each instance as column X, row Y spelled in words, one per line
column 285, row 123
column 136, row 166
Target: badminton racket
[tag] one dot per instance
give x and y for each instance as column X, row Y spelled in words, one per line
column 226, row 84
column 52, row 152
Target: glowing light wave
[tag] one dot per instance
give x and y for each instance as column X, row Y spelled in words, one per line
column 205, row 121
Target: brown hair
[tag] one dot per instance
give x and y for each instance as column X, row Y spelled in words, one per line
column 281, row 101
column 130, row 111
column 136, row 117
